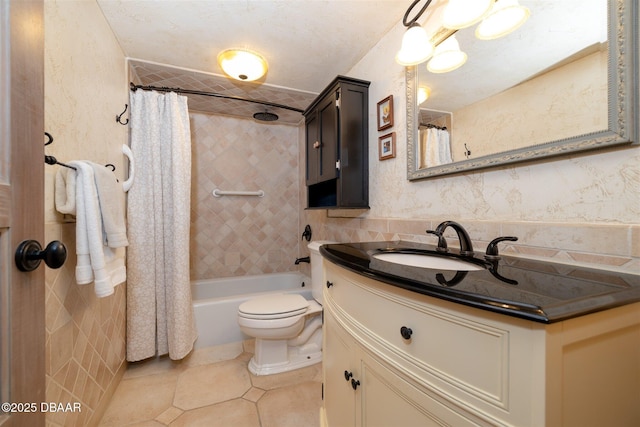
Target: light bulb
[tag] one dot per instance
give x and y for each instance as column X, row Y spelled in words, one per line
column 416, row 47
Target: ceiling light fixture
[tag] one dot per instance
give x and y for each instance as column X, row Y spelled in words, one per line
column 242, row 64
column 505, row 16
column 424, row 92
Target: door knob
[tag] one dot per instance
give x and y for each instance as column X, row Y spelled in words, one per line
column 30, row 253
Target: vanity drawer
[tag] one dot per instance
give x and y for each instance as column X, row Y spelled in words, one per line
column 444, row 346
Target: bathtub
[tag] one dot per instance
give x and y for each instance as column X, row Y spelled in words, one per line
column 216, row 302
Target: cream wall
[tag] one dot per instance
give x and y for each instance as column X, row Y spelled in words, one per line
column 578, row 209
column 85, row 87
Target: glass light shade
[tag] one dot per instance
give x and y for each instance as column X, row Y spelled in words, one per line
column 424, row 92
column 242, row 64
column 505, row 17
column 464, row 13
column 447, row 57
column 416, row 47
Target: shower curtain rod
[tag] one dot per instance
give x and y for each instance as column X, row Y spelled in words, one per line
column 135, row 87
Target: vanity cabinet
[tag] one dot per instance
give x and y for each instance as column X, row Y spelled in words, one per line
column 463, row 366
column 336, row 127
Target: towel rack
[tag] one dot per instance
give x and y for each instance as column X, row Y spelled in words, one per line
column 219, row 193
column 50, row 160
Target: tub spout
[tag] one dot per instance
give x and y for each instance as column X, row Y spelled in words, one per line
column 304, row 259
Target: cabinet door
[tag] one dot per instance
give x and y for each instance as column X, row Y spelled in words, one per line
column 339, row 396
column 328, row 114
column 389, row 400
column 313, row 148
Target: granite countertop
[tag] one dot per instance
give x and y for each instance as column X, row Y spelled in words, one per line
column 535, row 290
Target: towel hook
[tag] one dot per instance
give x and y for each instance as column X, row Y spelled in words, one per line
column 119, row 116
column 49, row 138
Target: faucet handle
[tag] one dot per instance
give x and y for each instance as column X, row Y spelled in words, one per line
column 491, row 253
column 442, row 243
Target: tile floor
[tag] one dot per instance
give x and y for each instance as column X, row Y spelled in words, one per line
column 213, row 387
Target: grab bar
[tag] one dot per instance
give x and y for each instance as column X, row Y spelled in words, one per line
column 219, row 193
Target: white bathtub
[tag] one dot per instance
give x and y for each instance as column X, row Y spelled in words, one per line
column 216, row 302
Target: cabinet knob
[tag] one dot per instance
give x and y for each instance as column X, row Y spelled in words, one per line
column 316, row 144
column 347, row 375
column 406, row 332
column 329, row 284
column 354, row 383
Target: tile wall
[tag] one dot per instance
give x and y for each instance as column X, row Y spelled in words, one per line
column 243, row 235
column 85, row 88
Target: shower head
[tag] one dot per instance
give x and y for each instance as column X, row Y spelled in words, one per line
column 266, row 116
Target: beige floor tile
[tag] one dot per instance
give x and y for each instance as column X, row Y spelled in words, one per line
column 209, row 384
column 169, row 415
column 292, row 406
column 157, row 365
column 270, row 382
column 235, row 413
column 140, row 399
column 254, row 394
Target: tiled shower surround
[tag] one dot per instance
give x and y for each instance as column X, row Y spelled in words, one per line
column 243, row 235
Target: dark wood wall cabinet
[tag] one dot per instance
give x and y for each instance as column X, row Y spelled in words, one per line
column 337, row 140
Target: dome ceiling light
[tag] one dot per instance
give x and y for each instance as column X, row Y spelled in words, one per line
column 242, row 64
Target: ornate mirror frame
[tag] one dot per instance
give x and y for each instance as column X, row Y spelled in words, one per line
column 622, row 104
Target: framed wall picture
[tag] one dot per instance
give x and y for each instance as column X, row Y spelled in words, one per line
column 387, row 146
column 385, row 113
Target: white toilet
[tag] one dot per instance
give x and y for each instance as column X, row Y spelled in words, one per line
column 287, row 327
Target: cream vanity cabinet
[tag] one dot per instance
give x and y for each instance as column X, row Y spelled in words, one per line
column 462, row 366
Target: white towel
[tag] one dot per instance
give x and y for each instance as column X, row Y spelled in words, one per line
column 111, row 200
column 96, row 262
column 65, row 191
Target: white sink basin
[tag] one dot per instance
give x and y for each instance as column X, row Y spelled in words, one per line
column 427, row 261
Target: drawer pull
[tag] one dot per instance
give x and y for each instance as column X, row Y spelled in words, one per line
column 406, row 332
column 329, row 284
column 347, row 375
column 354, row 384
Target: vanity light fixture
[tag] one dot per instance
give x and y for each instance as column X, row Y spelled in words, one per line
column 499, row 17
column 416, row 47
column 505, row 16
column 447, row 57
column 464, row 13
column 242, row 64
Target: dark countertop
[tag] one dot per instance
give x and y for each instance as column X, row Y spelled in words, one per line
column 535, row 290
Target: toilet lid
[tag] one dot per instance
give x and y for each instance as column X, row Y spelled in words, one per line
column 274, row 306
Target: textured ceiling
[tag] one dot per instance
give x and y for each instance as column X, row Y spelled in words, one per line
column 306, row 43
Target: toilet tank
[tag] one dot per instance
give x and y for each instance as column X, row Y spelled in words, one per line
column 316, row 268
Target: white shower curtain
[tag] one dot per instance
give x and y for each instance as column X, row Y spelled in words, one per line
column 435, row 147
column 159, row 307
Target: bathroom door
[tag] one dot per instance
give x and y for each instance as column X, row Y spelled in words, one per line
column 22, row 326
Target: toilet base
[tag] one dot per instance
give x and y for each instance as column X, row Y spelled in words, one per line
column 295, row 362
column 276, row 356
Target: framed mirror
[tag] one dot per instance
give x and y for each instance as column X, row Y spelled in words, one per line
column 564, row 82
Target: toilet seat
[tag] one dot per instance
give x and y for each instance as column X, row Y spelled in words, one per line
column 276, row 306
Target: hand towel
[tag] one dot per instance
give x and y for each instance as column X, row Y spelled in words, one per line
column 84, row 274
column 111, row 203
column 96, row 262
column 65, row 191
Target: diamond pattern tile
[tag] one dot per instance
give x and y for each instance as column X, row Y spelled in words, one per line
column 236, row 235
column 151, row 74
